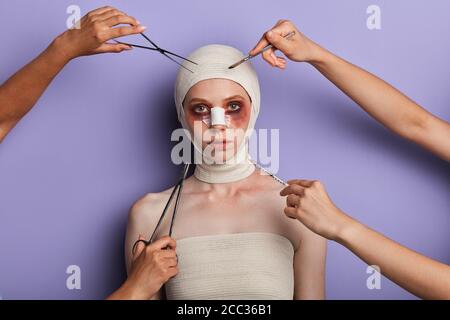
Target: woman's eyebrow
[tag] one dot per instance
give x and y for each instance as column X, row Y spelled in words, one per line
column 237, row 96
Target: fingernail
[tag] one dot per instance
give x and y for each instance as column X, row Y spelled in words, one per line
column 142, row 27
column 138, row 22
column 270, row 33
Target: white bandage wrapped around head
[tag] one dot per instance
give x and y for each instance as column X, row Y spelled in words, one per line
column 213, row 62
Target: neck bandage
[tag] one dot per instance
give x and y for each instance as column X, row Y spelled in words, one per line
column 213, row 62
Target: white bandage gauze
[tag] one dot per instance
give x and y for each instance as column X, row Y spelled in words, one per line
column 213, row 62
column 217, row 117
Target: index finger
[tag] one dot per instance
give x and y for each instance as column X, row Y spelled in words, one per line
column 292, row 189
column 164, row 242
column 259, row 46
column 277, row 28
column 100, row 10
column 302, row 182
column 113, row 33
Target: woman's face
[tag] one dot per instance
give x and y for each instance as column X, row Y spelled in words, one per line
column 220, row 141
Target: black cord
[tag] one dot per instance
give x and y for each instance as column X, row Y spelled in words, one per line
column 178, row 187
column 185, row 171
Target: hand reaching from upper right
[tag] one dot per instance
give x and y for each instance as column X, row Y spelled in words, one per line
column 297, row 48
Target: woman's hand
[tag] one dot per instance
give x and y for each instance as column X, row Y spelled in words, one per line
column 152, row 266
column 96, row 28
column 308, row 202
column 297, row 48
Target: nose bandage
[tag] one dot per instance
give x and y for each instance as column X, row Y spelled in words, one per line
column 217, row 117
column 213, row 62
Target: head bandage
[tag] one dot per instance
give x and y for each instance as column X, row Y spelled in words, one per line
column 213, row 62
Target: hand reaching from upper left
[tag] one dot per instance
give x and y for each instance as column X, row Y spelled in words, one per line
column 96, row 28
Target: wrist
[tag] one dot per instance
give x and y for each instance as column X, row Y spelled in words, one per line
column 130, row 291
column 60, row 51
column 348, row 231
column 320, row 56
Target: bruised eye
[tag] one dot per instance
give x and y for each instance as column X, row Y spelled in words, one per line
column 234, row 106
column 200, row 109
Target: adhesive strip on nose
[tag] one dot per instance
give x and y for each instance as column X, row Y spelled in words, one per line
column 207, row 120
column 218, row 116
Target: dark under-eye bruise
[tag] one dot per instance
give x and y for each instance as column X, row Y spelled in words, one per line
column 238, row 103
column 229, row 110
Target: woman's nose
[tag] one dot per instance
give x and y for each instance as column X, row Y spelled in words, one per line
column 218, row 126
column 218, row 120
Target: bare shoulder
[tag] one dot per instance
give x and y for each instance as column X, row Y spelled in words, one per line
column 148, row 208
column 301, row 236
column 267, row 183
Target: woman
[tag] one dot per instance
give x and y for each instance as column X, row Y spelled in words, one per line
column 232, row 239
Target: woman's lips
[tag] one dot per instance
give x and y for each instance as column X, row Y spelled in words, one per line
column 222, row 143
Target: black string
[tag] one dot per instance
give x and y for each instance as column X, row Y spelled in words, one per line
column 178, row 188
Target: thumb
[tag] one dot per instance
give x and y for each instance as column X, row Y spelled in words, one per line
column 113, row 48
column 277, row 41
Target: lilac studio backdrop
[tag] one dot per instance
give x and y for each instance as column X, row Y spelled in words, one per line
column 99, row 138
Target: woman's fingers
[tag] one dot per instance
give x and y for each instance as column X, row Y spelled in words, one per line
column 296, row 48
column 120, row 19
column 259, row 46
column 293, row 189
column 262, row 42
column 279, row 28
column 123, row 31
column 164, row 242
column 302, row 182
column 91, row 15
column 290, row 212
column 112, row 48
column 269, row 56
column 293, row 200
column 272, row 59
column 171, row 262
column 111, row 13
column 279, row 61
column 101, row 10
column 168, row 254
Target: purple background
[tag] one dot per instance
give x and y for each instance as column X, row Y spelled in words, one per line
column 99, row 137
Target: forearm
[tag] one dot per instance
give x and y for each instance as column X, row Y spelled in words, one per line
column 20, row 92
column 127, row 292
column 382, row 101
column 422, row 276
